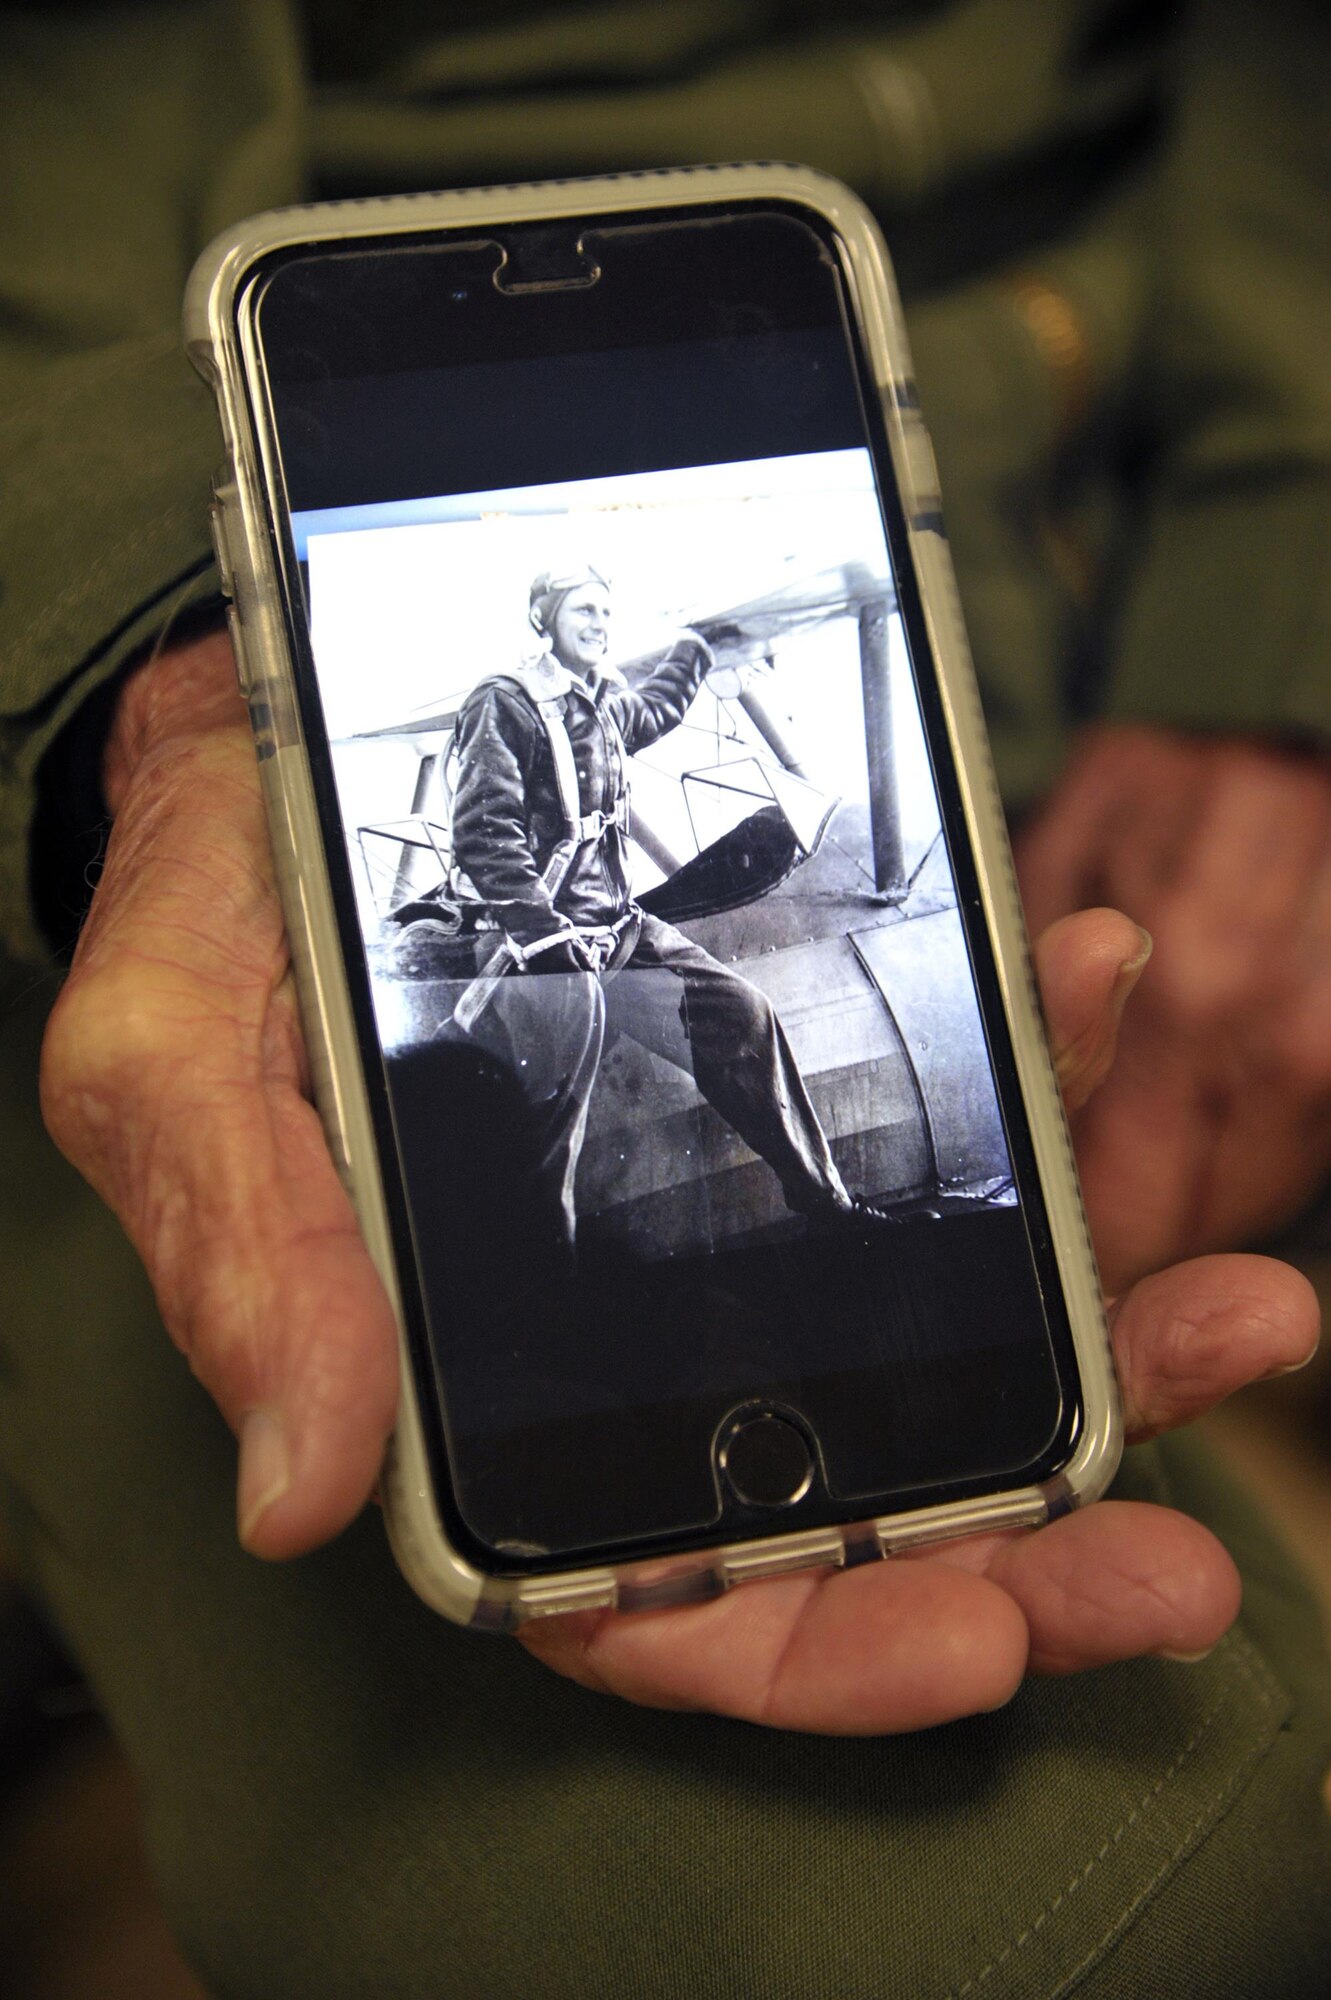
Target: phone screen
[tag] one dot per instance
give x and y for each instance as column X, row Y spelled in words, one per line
column 681, row 1022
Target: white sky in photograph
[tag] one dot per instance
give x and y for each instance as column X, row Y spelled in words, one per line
column 412, row 603
column 412, row 612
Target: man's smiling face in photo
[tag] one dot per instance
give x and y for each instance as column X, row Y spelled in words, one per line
column 580, row 635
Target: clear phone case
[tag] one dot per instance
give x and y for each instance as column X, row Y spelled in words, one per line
column 247, row 561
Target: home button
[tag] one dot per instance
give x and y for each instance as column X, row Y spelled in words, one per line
column 766, row 1462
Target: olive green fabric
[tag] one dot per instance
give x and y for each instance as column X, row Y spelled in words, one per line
column 128, row 137
column 348, row 1797
column 1154, row 179
column 1106, row 219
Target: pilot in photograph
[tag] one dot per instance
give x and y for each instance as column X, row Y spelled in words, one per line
column 541, row 832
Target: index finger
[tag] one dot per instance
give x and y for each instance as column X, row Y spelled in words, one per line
column 1087, row 966
column 1186, row 1338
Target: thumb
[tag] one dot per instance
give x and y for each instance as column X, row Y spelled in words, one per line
column 171, row 1078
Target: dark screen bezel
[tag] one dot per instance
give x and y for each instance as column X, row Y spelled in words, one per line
column 1057, row 1329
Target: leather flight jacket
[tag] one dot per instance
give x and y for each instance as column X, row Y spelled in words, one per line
column 510, row 821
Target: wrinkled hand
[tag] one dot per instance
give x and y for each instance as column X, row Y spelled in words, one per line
column 174, row 1078
column 1216, row 1123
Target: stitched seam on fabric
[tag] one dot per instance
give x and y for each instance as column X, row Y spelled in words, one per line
column 42, row 404
column 1254, row 1669
column 1236, row 1644
column 50, row 618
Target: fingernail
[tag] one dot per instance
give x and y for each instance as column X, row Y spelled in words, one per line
column 1291, row 1367
column 1130, row 971
column 1144, row 950
column 1134, row 967
column 1186, row 1659
column 265, row 1469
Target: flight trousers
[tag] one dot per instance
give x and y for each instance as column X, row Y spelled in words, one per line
column 550, row 1030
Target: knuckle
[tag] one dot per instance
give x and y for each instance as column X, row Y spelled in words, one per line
column 104, row 1025
column 111, row 1055
column 77, row 1051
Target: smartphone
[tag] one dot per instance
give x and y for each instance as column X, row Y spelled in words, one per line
column 654, row 923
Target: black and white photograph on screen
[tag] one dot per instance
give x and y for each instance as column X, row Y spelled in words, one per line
column 645, row 843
